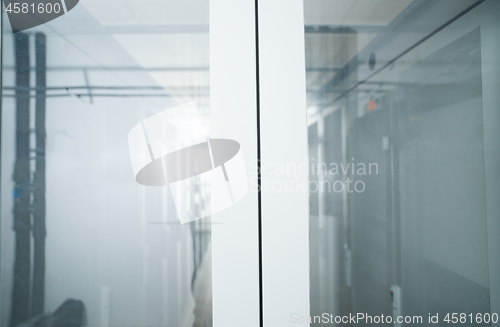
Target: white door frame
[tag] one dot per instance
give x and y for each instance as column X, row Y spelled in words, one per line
column 261, row 252
column 283, row 135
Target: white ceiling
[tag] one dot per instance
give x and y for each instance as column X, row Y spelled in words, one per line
column 149, row 12
column 352, row 12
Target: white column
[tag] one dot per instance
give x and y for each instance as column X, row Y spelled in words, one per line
column 284, row 142
column 233, row 113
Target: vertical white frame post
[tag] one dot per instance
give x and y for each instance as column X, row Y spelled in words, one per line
column 233, row 108
column 281, row 275
column 283, row 136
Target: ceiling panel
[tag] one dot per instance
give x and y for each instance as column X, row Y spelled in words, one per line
column 354, row 12
column 149, row 12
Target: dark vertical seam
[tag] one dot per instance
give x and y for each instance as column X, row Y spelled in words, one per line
column 259, row 177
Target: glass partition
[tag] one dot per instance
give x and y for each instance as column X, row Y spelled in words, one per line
column 402, row 123
column 85, row 240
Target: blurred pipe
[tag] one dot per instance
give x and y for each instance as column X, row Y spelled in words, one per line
column 39, row 232
column 22, row 217
column 123, row 68
column 90, row 87
column 116, row 95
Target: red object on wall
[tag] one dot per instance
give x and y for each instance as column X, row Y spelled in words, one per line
column 371, row 105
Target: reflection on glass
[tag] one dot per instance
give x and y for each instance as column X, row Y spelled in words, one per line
column 398, row 226
column 82, row 243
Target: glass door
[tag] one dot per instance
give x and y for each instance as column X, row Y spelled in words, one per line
column 403, row 146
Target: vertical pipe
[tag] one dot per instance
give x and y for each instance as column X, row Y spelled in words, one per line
column 39, row 232
column 22, row 217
